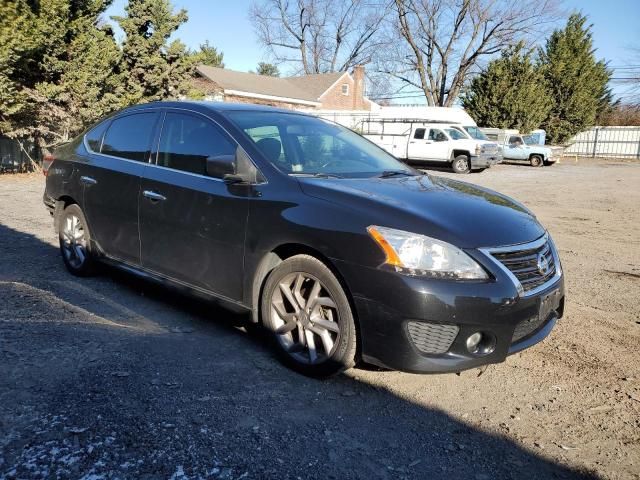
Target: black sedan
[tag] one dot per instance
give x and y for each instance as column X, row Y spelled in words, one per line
column 340, row 251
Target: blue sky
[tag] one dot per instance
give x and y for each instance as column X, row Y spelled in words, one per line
column 227, row 26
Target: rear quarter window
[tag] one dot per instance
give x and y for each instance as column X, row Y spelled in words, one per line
column 130, row 137
column 95, row 135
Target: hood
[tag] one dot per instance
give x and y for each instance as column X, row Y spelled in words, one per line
column 462, row 214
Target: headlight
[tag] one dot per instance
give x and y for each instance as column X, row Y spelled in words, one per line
column 415, row 254
column 478, row 149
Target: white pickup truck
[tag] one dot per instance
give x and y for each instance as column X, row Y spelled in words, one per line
column 432, row 143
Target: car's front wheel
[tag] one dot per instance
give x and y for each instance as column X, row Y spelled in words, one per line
column 461, row 164
column 74, row 241
column 306, row 310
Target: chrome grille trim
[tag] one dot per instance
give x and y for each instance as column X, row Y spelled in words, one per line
column 526, row 279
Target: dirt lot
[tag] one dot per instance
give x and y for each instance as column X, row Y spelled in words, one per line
column 109, row 377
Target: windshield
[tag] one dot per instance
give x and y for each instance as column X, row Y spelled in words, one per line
column 456, row 134
column 303, row 145
column 531, row 139
column 476, row 133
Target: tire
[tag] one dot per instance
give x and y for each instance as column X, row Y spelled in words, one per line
column 536, row 161
column 75, row 241
column 461, row 164
column 316, row 343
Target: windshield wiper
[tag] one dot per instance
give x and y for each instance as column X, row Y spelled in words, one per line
column 316, row 175
column 395, row 173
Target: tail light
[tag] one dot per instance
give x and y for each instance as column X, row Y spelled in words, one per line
column 46, row 163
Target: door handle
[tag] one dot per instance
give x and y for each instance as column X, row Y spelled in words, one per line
column 88, row 180
column 154, row 196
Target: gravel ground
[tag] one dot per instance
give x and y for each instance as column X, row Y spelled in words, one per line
column 110, row 377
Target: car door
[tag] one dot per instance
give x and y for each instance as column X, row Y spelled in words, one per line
column 192, row 226
column 111, row 179
column 428, row 144
column 438, row 146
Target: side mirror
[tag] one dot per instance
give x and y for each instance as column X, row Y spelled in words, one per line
column 219, row 166
column 233, row 179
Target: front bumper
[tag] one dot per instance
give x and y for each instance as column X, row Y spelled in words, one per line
column 485, row 160
column 388, row 304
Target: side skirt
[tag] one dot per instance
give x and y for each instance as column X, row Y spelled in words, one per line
column 178, row 285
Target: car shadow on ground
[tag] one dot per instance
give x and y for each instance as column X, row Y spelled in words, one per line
column 113, row 377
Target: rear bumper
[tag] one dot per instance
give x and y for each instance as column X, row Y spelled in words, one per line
column 49, row 202
column 388, row 304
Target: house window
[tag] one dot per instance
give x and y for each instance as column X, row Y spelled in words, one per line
column 345, row 89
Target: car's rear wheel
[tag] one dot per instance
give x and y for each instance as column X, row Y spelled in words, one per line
column 306, row 310
column 461, row 164
column 75, row 241
column 536, row 161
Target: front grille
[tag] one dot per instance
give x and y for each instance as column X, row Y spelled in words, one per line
column 527, row 327
column 432, row 338
column 528, row 265
column 490, row 148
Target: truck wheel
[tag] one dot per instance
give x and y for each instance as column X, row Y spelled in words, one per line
column 461, row 164
column 536, row 161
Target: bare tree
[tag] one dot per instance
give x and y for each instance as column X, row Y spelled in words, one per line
column 438, row 43
column 319, row 36
column 628, row 77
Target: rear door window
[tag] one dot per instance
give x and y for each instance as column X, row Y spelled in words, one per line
column 187, row 141
column 130, row 136
column 419, row 134
column 436, row 135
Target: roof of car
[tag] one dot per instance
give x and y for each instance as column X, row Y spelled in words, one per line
column 215, row 106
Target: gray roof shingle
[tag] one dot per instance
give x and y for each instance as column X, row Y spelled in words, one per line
column 306, row 87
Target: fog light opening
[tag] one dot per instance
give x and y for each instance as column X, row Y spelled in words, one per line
column 480, row 343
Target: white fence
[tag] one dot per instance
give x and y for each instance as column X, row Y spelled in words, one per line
column 609, row 142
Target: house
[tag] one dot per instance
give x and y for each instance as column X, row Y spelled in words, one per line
column 323, row 91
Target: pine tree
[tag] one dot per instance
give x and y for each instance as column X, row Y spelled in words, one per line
column 17, row 20
column 268, row 69
column 60, row 70
column 156, row 69
column 576, row 80
column 208, row 55
column 509, row 93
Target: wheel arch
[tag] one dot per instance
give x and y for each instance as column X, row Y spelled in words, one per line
column 279, row 254
column 458, row 152
column 61, row 203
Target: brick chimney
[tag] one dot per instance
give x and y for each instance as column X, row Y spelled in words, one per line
column 358, row 87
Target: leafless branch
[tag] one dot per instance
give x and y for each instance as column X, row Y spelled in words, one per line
column 327, row 35
column 447, row 40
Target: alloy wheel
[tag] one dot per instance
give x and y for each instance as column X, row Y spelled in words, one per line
column 305, row 318
column 74, row 244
